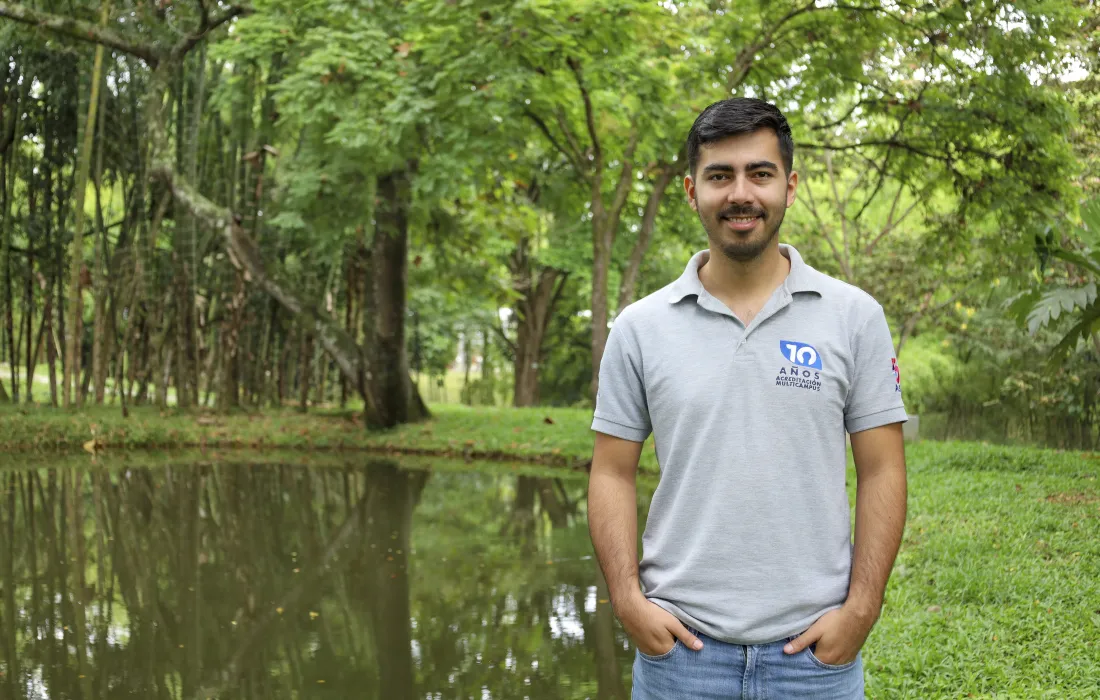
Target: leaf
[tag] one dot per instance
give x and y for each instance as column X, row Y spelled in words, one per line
column 1091, row 262
column 1089, row 324
column 1053, row 304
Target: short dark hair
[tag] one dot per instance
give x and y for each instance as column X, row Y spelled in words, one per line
column 739, row 115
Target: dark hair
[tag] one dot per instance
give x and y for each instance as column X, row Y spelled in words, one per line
column 739, row 115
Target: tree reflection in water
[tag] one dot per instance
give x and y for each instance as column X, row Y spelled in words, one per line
column 239, row 581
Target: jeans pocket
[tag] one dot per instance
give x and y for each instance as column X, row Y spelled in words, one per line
column 829, row 667
column 661, row 657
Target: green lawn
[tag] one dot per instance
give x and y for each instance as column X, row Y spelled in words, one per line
column 996, row 590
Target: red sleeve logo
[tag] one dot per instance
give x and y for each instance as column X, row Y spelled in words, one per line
column 897, row 373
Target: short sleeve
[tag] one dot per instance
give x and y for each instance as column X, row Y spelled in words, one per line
column 621, row 408
column 874, row 398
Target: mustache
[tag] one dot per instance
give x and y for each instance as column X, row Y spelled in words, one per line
column 740, row 210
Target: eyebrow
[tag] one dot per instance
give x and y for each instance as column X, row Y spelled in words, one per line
column 755, row 165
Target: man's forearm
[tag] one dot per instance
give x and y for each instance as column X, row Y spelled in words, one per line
column 880, row 521
column 613, row 524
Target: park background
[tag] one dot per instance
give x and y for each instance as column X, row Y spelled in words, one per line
column 273, row 273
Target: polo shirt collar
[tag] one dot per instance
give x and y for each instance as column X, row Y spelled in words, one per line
column 801, row 278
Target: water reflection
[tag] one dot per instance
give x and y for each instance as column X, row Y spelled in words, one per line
column 239, row 581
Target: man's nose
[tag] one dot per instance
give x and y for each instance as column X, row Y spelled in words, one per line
column 740, row 192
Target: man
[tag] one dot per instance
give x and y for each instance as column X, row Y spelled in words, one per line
column 748, row 370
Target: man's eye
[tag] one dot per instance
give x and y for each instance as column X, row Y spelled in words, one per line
column 762, row 174
column 718, row 176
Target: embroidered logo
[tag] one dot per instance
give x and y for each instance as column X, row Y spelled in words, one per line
column 897, row 374
column 803, row 359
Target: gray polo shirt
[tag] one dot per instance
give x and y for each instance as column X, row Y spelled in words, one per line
column 748, row 537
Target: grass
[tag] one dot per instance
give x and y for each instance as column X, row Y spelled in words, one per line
column 557, row 436
column 996, row 589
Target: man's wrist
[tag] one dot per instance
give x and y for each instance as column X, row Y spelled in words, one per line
column 627, row 599
column 864, row 608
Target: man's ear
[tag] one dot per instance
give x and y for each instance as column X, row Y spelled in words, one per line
column 689, row 188
column 792, row 187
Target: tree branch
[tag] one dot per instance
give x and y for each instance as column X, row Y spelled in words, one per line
column 573, row 158
column 204, row 14
column 589, row 114
column 825, row 231
column 626, row 177
column 893, row 143
column 886, row 160
column 187, row 43
column 8, row 135
column 890, row 223
column 558, row 291
column 509, row 345
column 559, row 115
column 746, row 55
column 645, row 235
column 245, row 255
column 80, row 30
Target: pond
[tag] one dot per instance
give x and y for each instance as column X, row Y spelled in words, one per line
column 355, row 578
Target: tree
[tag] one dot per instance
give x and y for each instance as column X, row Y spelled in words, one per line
column 381, row 372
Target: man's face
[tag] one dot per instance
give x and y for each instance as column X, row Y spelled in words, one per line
column 741, row 192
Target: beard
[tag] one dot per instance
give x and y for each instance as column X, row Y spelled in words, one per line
column 744, row 246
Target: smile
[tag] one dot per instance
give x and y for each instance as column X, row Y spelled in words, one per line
column 741, row 223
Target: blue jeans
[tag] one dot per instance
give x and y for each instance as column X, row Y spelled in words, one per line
column 723, row 671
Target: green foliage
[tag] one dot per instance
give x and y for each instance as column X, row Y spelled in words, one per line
column 1070, row 296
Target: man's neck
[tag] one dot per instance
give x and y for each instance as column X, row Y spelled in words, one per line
column 731, row 279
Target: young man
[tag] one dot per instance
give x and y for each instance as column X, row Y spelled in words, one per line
column 748, row 370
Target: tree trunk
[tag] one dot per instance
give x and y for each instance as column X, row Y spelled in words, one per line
column 229, row 394
column 7, row 182
column 533, row 314
column 47, row 284
column 99, row 281
column 601, row 257
column 47, row 325
column 645, row 237
column 33, row 340
column 305, row 354
column 388, row 373
column 72, row 349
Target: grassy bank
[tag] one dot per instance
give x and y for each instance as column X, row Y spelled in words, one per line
column 553, row 436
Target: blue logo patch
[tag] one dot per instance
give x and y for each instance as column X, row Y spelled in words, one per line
column 800, row 354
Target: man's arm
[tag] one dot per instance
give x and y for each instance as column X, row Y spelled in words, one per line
column 613, row 524
column 880, row 513
column 880, row 519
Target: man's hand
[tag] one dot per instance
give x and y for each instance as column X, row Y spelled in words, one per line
column 653, row 628
column 839, row 635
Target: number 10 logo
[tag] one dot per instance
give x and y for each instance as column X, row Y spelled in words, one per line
column 800, row 354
